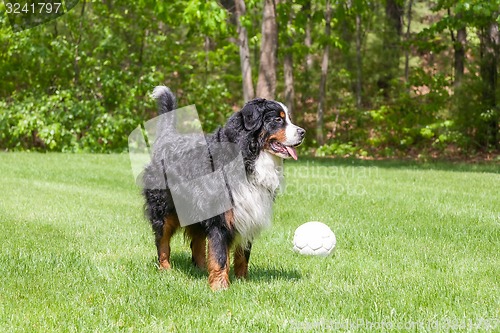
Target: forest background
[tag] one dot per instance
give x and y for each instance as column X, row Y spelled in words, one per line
column 367, row 79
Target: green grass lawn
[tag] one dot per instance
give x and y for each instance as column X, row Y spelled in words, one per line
column 417, row 250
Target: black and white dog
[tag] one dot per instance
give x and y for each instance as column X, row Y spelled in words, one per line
column 265, row 135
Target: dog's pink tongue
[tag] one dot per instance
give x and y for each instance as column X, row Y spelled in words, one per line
column 292, row 152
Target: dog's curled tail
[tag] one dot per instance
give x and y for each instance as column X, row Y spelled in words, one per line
column 165, row 98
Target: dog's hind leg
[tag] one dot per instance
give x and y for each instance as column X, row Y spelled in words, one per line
column 163, row 240
column 241, row 258
column 198, row 245
column 219, row 241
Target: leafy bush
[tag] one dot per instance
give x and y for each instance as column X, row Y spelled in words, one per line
column 340, row 149
column 65, row 121
column 415, row 118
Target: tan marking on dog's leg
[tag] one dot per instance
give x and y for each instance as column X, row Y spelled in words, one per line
column 197, row 235
column 218, row 276
column 240, row 262
column 169, row 227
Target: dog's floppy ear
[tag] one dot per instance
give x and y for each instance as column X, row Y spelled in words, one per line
column 252, row 113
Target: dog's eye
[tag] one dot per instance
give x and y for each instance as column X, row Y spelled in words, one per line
column 278, row 119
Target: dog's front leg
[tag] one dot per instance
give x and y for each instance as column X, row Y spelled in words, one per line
column 219, row 241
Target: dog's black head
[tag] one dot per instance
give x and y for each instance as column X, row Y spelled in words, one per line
column 270, row 124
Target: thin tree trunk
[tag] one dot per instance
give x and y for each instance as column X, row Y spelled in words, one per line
column 207, row 52
column 459, row 44
column 308, row 38
column 305, row 91
column 324, row 72
column 289, row 89
column 459, row 61
column 489, row 40
column 407, row 38
column 488, row 63
column 246, row 68
column 359, row 62
column 76, row 66
column 393, row 11
column 266, row 83
column 348, row 35
column 143, row 46
column 391, row 44
column 288, row 70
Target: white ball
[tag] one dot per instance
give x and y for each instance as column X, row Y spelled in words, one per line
column 314, row 238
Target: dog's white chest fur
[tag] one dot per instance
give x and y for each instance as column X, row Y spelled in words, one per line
column 253, row 199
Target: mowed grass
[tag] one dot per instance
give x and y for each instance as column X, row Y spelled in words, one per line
column 417, row 250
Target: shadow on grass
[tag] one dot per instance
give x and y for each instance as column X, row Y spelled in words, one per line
column 491, row 167
column 181, row 261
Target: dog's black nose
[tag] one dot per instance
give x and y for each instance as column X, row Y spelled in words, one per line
column 301, row 132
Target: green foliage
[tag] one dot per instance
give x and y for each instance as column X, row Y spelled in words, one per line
column 475, row 116
column 81, row 82
column 62, row 122
column 472, row 115
column 340, row 149
column 416, row 118
column 208, row 14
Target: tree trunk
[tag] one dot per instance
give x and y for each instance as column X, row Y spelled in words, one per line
column 348, row 36
column 391, row 44
column 459, row 57
column 459, row 44
column 489, row 42
column 207, row 52
column 324, row 72
column 76, row 65
column 288, row 70
column 305, row 91
column 246, row 68
column 393, row 11
column 266, row 83
column 308, row 38
column 143, row 47
column 289, row 89
column 359, row 62
column 407, row 38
